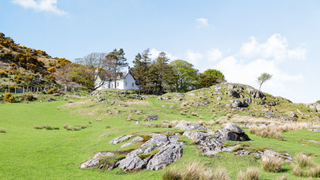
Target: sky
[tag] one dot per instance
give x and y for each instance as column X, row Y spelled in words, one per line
column 242, row 39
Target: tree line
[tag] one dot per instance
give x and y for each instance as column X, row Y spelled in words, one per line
column 154, row 76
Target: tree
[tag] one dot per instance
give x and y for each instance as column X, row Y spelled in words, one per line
column 215, row 73
column 263, row 78
column 88, row 69
column 161, row 65
column 114, row 61
column 186, row 75
column 141, row 68
column 210, row 77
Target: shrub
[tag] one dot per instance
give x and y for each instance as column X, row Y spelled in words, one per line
column 271, row 163
column 252, row 173
column 50, row 91
column 28, row 97
column 9, row 98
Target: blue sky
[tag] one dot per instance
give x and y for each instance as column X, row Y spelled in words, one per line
column 240, row 38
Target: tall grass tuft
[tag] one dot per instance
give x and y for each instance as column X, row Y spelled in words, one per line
column 303, row 161
column 252, row 173
column 2, row 130
column 221, row 174
column 272, row 163
column 296, row 170
column 284, row 177
column 241, row 176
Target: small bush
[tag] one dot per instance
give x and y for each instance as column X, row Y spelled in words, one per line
column 271, row 163
column 252, row 173
column 28, row 97
column 9, row 98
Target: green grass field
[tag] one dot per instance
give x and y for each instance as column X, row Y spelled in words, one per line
column 28, row 153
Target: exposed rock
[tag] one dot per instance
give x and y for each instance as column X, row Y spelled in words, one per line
column 151, row 117
column 275, row 115
column 248, row 100
column 112, row 103
column 285, row 156
column 299, row 111
column 229, row 104
column 180, row 94
column 157, row 139
column 293, row 114
column 120, row 139
column 138, row 138
column 255, row 93
column 233, row 93
column 315, row 130
column 172, row 107
column 117, row 111
column 160, row 98
column 95, row 160
column 163, row 105
column 192, row 94
column 233, row 128
column 318, row 107
column 131, row 162
column 188, row 126
column 219, row 98
column 167, row 155
column 217, row 87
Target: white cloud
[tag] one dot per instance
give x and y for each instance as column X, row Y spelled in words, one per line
column 238, row 71
column 213, row 55
column 202, row 22
column 154, row 54
column 275, row 48
column 42, row 5
column 193, row 57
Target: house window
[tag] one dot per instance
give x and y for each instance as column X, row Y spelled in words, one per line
column 117, row 84
column 132, row 84
column 126, row 84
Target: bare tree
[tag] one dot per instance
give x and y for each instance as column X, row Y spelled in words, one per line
column 91, row 70
column 63, row 74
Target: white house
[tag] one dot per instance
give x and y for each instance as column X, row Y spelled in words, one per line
column 124, row 81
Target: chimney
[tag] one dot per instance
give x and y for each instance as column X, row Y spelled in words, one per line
column 128, row 70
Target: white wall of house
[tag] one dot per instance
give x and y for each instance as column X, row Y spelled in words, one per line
column 127, row 83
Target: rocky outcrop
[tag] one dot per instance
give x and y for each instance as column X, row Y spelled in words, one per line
column 285, row 156
column 120, row 139
column 151, row 117
column 255, row 93
column 210, row 145
column 188, row 126
column 278, row 116
column 138, row 138
column 95, row 160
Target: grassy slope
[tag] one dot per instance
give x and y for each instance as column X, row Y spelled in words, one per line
column 28, row 153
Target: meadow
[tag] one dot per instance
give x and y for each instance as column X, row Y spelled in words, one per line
column 30, row 153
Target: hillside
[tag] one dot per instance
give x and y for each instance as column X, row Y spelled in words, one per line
column 120, row 135
column 29, row 67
